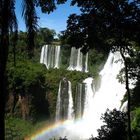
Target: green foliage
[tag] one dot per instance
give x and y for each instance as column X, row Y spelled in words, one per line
column 40, row 84
column 44, row 36
column 136, row 123
column 136, row 96
column 65, row 51
column 115, row 126
column 49, row 6
column 25, row 74
column 28, row 78
column 102, row 22
column 16, row 128
column 96, row 61
column 53, row 77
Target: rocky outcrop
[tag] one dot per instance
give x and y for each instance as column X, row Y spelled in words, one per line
column 17, row 105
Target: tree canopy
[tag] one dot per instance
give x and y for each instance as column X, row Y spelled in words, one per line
column 114, row 127
column 108, row 22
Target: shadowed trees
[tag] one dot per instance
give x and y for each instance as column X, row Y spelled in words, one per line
column 30, row 16
column 108, row 22
column 8, row 24
column 113, row 24
column 102, row 23
column 44, row 36
column 114, row 127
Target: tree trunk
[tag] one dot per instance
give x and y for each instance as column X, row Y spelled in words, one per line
column 4, row 43
column 128, row 94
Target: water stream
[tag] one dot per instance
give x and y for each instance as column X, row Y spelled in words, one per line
column 90, row 104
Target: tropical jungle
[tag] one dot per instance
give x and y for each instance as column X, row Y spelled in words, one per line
column 29, row 90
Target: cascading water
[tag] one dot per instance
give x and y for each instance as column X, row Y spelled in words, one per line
column 89, row 95
column 86, row 63
column 57, row 57
column 50, row 56
column 70, row 106
column 72, row 59
column 79, row 65
column 78, row 102
column 64, row 106
column 77, row 61
column 109, row 95
column 124, row 106
column 58, row 104
column 44, row 55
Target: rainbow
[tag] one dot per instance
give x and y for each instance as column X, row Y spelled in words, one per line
column 48, row 129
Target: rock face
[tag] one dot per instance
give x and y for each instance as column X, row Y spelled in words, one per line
column 10, row 105
column 18, row 105
column 24, row 106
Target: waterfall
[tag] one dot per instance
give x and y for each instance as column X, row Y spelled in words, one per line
column 57, row 57
column 70, row 106
column 78, row 101
column 77, row 61
column 72, row 59
column 86, row 63
column 50, row 56
column 109, row 95
column 58, row 117
column 64, row 106
column 89, row 94
column 124, row 106
column 44, row 54
column 95, row 103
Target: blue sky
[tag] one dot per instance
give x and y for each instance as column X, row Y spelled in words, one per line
column 56, row 20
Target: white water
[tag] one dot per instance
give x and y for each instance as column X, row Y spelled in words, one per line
column 72, row 58
column 109, row 96
column 61, row 100
column 50, row 56
column 79, row 65
column 86, row 63
column 77, row 61
column 57, row 57
column 124, row 106
column 89, row 95
column 44, row 55
column 70, row 106
column 58, row 117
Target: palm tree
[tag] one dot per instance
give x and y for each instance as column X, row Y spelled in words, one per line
column 8, row 23
column 30, row 17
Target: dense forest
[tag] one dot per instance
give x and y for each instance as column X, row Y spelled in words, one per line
column 33, row 89
column 29, row 90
